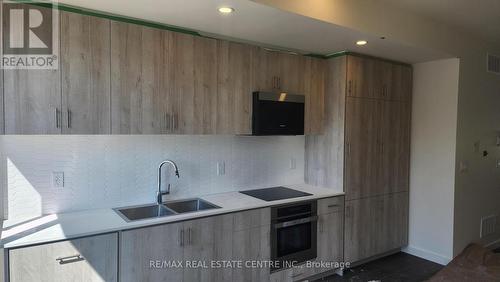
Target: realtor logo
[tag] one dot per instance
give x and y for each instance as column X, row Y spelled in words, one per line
column 30, row 35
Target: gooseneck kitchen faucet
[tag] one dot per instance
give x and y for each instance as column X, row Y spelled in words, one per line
column 159, row 193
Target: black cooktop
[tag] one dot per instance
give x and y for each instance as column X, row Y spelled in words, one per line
column 275, row 193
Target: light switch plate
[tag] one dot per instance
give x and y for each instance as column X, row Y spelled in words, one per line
column 58, row 179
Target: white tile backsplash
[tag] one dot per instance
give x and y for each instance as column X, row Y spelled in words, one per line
column 113, row 171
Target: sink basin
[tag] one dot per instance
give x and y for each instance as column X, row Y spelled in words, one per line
column 190, row 205
column 144, row 212
column 166, row 209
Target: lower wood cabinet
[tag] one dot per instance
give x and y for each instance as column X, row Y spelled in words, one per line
column 88, row 259
column 154, row 253
column 376, row 225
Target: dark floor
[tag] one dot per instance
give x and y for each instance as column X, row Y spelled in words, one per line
column 397, row 267
column 497, row 250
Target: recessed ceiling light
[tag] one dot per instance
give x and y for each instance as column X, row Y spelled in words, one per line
column 361, row 42
column 226, row 10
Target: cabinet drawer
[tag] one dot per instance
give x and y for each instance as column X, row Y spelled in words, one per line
column 252, row 218
column 87, row 259
column 329, row 205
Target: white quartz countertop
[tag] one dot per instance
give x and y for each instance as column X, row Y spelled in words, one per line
column 63, row 226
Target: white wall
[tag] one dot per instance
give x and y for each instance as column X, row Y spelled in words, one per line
column 113, row 171
column 432, row 163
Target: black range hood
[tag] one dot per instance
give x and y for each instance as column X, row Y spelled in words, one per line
column 277, row 114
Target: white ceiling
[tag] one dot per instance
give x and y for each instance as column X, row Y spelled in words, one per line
column 258, row 23
column 480, row 17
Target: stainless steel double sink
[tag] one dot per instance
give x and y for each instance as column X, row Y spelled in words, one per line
column 165, row 209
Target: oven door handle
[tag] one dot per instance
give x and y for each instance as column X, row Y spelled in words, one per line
column 295, row 222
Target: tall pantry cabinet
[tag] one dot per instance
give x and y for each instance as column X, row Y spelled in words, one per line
column 365, row 149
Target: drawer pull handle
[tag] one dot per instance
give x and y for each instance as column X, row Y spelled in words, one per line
column 333, row 206
column 70, row 259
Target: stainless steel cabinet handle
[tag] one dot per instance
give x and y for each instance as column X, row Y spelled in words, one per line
column 279, row 82
column 190, row 236
column 70, row 259
column 296, row 275
column 58, row 118
column 348, row 148
column 333, row 206
column 350, row 86
column 175, row 122
column 167, row 121
column 181, row 238
column 69, row 118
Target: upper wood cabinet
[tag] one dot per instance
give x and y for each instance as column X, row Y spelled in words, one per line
column 193, row 84
column 121, row 78
column 73, row 99
column 85, row 68
column 236, row 82
column 373, row 78
column 313, row 77
column 140, row 80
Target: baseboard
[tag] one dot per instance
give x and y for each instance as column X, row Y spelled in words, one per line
column 493, row 245
column 428, row 255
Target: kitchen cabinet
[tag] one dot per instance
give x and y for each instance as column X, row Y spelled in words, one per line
column 140, row 247
column 236, row 83
column 361, row 78
column 86, row 259
column 367, row 125
column 251, row 242
column 362, row 152
column 313, row 76
column 139, row 84
column 201, row 241
column 235, row 236
column 330, row 231
column 73, row 99
column 32, row 101
column 85, row 68
column 384, row 218
column 193, row 62
column 402, row 82
column 377, row 147
column 395, row 147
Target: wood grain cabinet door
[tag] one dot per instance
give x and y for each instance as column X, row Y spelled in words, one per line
column 140, row 80
column 85, row 54
column 236, row 82
column 362, row 150
column 267, row 70
column 330, row 238
column 91, row 259
column 291, row 73
column 402, row 82
column 194, row 66
column 361, row 77
column 382, row 86
column 314, row 90
column 395, row 147
column 208, row 240
column 142, row 248
column 32, row 101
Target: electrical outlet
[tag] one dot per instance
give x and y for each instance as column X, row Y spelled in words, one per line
column 488, row 225
column 293, row 163
column 221, row 168
column 58, row 179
